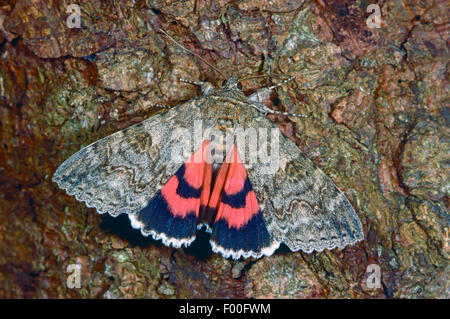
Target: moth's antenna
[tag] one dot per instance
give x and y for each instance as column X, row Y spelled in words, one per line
column 265, row 76
column 275, row 75
column 191, row 52
column 265, row 110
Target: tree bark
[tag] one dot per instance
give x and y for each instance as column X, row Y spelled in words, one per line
column 378, row 126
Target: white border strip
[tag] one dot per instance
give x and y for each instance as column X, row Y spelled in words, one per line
column 168, row 241
column 266, row 251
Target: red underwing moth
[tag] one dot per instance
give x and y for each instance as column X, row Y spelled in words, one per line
column 206, row 163
column 249, row 207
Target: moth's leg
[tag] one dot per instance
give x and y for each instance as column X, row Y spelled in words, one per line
column 161, row 106
column 263, row 94
column 191, row 82
column 206, row 87
column 256, row 99
column 262, row 108
column 281, row 83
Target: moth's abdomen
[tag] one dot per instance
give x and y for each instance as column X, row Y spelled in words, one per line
column 218, row 151
column 221, row 138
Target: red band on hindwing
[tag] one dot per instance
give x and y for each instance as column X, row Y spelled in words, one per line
column 239, row 217
column 179, row 206
column 239, row 228
column 186, row 190
column 238, row 203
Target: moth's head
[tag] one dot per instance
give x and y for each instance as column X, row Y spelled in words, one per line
column 232, row 83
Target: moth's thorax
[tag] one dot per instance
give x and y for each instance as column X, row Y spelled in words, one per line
column 230, row 113
column 227, row 92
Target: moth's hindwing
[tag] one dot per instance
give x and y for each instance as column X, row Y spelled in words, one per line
column 172, row 215
column 239, row 229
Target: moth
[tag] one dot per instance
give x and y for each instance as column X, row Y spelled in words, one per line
column 188, row 167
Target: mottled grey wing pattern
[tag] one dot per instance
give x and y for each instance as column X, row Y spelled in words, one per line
column 121, row 172
column 301, row 206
